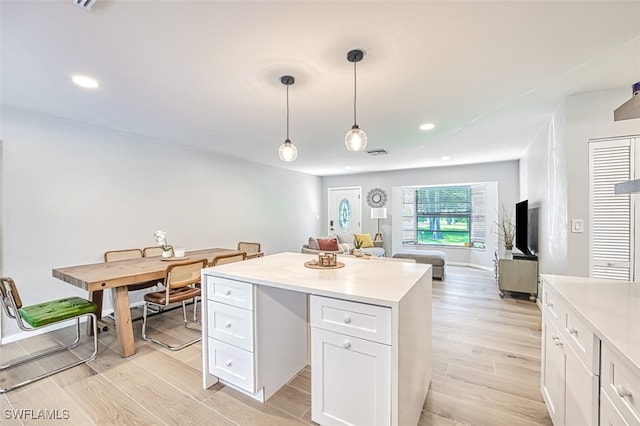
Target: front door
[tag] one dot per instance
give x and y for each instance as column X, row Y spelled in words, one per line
column 345, row 210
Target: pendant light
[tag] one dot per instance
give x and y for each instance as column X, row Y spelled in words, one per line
column 287, row 151
column 356, row 138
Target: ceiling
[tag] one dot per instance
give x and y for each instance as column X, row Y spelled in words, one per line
column 206, row 74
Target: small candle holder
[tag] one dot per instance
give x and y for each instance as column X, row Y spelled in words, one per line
column 327, row 259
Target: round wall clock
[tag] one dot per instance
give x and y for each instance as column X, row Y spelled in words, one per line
column 376, row 197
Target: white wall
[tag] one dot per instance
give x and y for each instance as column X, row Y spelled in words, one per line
column 504, row 173
column 544, row 183
column 557, row 170
column 73, row 191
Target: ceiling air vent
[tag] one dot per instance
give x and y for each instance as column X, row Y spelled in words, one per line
column 377, row 152
column 85, row 4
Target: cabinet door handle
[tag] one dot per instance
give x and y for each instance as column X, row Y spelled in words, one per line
column 346, row 344
column 228, row 363
column 549, row 305
column 228, row 324
column 573, row 330
column 558, row 343
column 347, row 319
column 622, row 392
column 227, row 292
column 554, row 337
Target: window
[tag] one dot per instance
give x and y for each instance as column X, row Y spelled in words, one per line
column 444, row 215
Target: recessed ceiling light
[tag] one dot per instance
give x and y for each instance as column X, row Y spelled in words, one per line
column 84, row 81
column 446, row 158
column 347, row 167
column 427, row 126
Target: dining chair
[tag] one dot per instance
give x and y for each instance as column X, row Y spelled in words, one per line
column 223, row 258
column 47, row 314
column 128, row 254
column 180, row 285
column 154, row 251
column 220, row 259
column 252, row 249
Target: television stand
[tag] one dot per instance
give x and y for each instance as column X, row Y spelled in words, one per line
column 518, row 275
column 525, row 256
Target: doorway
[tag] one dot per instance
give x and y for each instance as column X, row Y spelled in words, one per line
column 345, row 210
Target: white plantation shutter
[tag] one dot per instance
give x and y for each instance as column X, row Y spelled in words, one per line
column 409, row 224
column 612, row 227
column 478, row 228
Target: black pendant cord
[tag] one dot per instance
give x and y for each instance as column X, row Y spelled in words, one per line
column 355, row 94
column 287, row 112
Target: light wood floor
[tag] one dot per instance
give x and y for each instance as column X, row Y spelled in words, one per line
column 486, row 371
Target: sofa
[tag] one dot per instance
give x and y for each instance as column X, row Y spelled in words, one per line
column 344, row 245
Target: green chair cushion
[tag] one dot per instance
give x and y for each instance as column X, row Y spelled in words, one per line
column 56, row 310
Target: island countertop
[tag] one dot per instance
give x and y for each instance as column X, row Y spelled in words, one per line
column 381, row 282
column 611, row 306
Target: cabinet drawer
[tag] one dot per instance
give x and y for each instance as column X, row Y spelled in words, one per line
column 553, row 305
column 609, row 414
column 622, row 385
column 231, row 325
column 231, row 292
column 369, row 322
column 582, row 340
column 231, row 364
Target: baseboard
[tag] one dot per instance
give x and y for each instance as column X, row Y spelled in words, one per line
column 471, row 265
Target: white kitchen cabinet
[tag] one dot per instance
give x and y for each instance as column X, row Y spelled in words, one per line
column 591, row 351
column 255, row 336
column 569, row 387
column 609, row 414
column 351, row 376
column 553, row 369
column 350, row 379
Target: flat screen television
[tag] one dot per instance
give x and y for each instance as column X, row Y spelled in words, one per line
column 527, row 229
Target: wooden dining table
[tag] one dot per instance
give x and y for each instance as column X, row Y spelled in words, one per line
column 97, row 277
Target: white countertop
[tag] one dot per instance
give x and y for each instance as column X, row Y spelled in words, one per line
column 381, row 282
column 612, row 307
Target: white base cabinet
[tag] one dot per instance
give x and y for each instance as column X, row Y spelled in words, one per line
column 585, row 379
column 350, row 376
column 569, row 387
column 351, row 380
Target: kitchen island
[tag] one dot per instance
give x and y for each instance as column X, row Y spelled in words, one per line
column 369, row 344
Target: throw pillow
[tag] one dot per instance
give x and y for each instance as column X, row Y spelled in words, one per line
column 365, row 240
column 346, row 238
column 346, row 248
column 328, row 244
column 313, row 243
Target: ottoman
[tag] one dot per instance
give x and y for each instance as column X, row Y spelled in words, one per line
column 436, row 258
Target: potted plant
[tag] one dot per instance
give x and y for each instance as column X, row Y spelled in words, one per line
column 357, row 244
column 506, row 228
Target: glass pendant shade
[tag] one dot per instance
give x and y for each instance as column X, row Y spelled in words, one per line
column 355, row 139
column 288, row 151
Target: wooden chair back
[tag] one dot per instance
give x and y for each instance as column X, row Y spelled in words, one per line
column 184, row 274
column 221, row 259
column 249, row 247
column 115, row 255
column 154, row 251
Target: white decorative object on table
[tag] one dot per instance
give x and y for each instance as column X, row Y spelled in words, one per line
column 161, row 239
